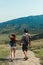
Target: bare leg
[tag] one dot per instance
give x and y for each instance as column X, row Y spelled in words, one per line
column 14, row 52
column 25, row 53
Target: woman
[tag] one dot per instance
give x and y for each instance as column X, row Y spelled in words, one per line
column 13, row 45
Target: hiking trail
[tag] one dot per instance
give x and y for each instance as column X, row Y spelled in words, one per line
column 20, row 61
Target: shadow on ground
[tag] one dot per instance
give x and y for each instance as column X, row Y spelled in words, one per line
column 5, row 59
column 9, row 59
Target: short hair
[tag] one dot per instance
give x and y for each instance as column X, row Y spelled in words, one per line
column 25, row 31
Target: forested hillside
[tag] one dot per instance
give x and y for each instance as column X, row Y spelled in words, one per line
column 33, row 23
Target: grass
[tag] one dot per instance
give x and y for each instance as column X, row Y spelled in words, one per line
column 4, row 52
column 4, row 38
column 37, row 48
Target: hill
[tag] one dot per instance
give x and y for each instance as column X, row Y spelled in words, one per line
column 33, row 23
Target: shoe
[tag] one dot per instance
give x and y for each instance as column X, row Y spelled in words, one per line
column 26, row 58
column 11, row 60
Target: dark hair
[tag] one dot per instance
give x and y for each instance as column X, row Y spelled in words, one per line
column 25, row 30
column 13, row 35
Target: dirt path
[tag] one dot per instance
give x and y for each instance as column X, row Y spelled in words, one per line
column 20, row 61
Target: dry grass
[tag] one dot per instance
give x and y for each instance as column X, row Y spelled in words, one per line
column 37, row 48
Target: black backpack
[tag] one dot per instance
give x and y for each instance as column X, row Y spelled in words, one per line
column 26, row 39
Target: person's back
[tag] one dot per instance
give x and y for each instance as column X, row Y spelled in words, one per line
column 26, row 38
column 12, row 39
column 25, row 41
column 12, row 44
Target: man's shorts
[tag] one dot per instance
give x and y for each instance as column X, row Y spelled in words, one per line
column 24, row 47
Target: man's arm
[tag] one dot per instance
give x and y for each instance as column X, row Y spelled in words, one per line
column 29, row 41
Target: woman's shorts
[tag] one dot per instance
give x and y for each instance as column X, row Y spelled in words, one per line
column 13, row 48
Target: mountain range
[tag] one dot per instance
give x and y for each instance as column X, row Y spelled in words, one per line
column 34, row 24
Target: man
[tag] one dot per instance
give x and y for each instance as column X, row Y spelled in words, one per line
column 25, row 42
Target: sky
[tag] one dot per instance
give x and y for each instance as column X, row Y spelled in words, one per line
column 12, row 9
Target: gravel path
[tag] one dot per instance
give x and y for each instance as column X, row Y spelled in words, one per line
column 20, row 61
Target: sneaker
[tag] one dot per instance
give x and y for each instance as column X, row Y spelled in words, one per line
column 26, row 58
column 11, row 60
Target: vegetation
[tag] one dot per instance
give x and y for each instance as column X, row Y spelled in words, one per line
column 4, row 52
column 33, row 23
column 37, row 48
column 35, row 26
column 4, row 39
column 4, row 49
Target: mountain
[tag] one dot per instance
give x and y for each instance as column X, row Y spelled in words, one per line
column 33, row 23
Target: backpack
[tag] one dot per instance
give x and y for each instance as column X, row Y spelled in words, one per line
column 26, row 39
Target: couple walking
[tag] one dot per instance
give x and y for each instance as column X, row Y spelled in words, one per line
column 25, row 41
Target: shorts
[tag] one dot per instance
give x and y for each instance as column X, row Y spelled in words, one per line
column 24, row 47
column 13, row 48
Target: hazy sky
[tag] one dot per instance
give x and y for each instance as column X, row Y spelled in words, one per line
column 11, row 9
